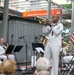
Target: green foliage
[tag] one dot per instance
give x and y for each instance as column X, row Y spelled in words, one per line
column 67, row 5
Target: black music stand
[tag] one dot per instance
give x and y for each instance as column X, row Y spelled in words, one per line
column 9, row 49
column 17, row 49
column 36, row 45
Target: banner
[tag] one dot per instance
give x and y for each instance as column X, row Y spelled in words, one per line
column 42, row 13
column 56, row 12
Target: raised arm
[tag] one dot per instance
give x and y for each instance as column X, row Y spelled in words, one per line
column 46, row 29
column 57, row 29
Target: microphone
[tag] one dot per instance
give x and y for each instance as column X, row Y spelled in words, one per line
column 18, row 39
column 12, row 35
column 22, row 37
column 36, row 37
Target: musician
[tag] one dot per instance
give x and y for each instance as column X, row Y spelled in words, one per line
column 54, row 31
column 63, row 52
column 4, row 46
column 67, row 59
column 2, row 56
column 65, row 48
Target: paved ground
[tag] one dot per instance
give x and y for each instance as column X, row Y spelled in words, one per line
column 21, row 73
column 29, row 71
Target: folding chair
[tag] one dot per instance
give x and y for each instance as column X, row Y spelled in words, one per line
column 69, row 67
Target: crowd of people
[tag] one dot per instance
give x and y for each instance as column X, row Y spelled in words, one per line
column 49, row 63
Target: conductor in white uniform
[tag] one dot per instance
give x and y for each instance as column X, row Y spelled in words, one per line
column 54, row 31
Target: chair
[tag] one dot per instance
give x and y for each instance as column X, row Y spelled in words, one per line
column 68, row 66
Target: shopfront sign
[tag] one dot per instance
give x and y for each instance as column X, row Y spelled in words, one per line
column 41, row 13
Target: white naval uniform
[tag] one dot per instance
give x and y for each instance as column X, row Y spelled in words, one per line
column 67, row 59
column 54, row 45
column 2, row 51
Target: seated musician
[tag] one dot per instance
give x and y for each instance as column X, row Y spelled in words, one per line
column 66, row 58
column 65, row 48
column 4, row 46
column 63, row 52
column 2, row 56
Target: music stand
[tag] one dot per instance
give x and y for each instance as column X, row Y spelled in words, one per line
column 17, row 49
column 36, row 47
column 9, row 49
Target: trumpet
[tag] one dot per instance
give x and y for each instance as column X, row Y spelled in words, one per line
column 45, row 21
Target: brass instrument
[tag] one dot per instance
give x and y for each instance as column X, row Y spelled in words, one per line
column 6, row 44
column 43, row 40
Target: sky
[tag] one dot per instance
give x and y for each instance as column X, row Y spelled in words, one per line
column 62, row 1
column 56, row 1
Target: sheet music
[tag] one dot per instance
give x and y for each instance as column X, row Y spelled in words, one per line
column 39, row 49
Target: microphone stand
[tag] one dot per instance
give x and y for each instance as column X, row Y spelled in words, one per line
column 26, row 48
column 12, row 39
column 15, row 54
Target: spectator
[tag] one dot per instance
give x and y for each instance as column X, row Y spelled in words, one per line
column 42, row 65
column 43, row 73
column 8, row 67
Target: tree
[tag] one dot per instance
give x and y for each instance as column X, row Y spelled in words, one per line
column 67, row 5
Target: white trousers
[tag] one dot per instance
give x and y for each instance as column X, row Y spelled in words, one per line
column 67, row 59
column 11, row 57
column 4, row 57
column 53, row 52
